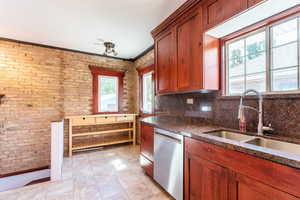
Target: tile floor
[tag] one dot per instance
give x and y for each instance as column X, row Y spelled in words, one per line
column 109, row 174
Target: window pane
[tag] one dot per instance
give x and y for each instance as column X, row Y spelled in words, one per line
column 284, row 33
column 285, row 56
column 236, row 85
column 257, row 82
column 108, row 94
column 236, row 67
column 255, row 44
column 256, row 62
column 236, row 50
column 285, row 79
column 148, row 93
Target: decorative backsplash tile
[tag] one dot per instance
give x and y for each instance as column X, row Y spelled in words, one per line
column 281, row 111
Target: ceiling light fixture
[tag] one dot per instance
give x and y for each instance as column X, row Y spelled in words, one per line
column 109, row 47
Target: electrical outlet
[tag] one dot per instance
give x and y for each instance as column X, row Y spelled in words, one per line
column 2, row 127
column 190, row 101
column 1, row 124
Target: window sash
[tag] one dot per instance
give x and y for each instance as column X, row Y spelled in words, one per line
column 269, row 70
column 147, row 106
column 101, row 107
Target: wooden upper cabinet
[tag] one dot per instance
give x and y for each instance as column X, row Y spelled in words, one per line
column 189, row 52
column 184, row 61
column 165, row 65
column 204, row 179
column 218, row 11
column 254, row 2
column 248, row 189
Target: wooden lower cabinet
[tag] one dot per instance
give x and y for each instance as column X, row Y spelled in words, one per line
column 250, row 189
column 216, row 173
column 147, row 165
column 204, row 180
column 146, row 148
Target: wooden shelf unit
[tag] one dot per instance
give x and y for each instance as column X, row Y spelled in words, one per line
column 90, row 120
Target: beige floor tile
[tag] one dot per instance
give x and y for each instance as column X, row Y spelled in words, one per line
column 138, row 191
column 160, row 196
column 65, row 196
column 10, row 195
column 60, row 188
column 106, row 174
column 36, row 193
column 120, row 196
column 86, row 192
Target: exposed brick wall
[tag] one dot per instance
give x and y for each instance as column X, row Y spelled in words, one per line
column 145, row 61
column 43, row 85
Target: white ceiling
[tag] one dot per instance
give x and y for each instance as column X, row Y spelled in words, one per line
column 76, row 24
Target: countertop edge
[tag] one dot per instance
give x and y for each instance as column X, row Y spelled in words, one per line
column 273, row 155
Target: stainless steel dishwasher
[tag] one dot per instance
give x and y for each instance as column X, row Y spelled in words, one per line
column 168, row 162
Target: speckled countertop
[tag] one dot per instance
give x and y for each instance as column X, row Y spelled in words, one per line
column 199, row 131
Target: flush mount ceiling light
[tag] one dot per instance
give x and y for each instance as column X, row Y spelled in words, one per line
column 109, row 47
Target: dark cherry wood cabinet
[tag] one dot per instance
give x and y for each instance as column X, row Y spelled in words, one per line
column 204, row 180
column 254, row 2
column 217, row 11
column 189, row 52
column 249, row 189
column 186, row 59
column 243, row 177
column 146, row 148
column 165, row 63
column 180, row 49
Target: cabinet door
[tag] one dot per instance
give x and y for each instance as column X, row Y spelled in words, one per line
column 254, row 2
column 165, row 66
column 189, row 52
column 218, row 11
column 204, row 180
column 147, row 165
column 147, row 137
column 250, row 189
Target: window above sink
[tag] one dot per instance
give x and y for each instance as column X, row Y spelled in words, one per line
column 261, row 49
column 266, row 59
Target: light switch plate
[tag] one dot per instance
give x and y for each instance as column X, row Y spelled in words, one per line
column 190, row 101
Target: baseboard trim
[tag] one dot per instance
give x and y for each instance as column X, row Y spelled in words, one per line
column 42, row 180
column 24, row 171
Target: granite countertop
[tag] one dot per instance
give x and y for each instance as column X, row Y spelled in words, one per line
column 198, row 130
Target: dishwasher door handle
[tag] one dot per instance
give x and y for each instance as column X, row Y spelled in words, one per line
column 169, row 137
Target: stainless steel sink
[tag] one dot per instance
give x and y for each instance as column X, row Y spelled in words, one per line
column 231, row 135
column 276, row 145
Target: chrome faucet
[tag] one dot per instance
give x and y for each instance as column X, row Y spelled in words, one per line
column 260, row 127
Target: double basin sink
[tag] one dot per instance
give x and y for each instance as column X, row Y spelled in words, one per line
column 258, row 141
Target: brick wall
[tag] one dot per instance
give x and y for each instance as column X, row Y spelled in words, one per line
column 43, row 85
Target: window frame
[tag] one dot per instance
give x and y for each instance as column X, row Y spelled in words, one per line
column 226, row 52
column 102, row 71
column 266, row 25
column 141, row 73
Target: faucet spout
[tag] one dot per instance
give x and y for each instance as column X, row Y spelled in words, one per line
column 260, row 110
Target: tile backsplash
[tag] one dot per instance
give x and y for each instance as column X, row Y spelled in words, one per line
column 281, row 111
